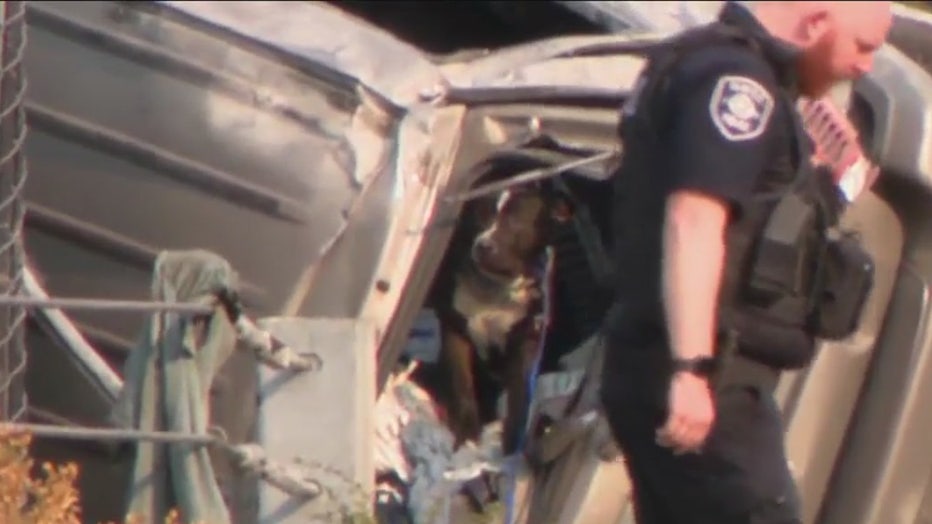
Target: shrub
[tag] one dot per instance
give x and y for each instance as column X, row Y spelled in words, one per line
column 52, row 498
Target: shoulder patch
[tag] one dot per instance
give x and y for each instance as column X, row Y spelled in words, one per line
column 740, row 107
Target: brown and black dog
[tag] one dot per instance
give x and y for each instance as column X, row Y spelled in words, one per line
column 488, row 298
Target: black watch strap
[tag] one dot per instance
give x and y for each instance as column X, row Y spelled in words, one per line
column 699, row 366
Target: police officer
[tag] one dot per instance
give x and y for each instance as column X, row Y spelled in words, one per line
column 709, row 130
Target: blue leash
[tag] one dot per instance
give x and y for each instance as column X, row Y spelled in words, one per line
column 511, row 466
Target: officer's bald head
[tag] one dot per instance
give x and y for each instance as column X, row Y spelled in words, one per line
column 837, row 40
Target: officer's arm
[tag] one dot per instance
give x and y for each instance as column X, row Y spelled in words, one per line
column 719, row 144
column 694, row 252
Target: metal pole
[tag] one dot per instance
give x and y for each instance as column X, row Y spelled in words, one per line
column 530, row 176
column 12, row 177
column 106, row 434
column 97, row 304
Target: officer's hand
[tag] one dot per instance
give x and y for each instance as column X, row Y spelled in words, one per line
column 690, row 415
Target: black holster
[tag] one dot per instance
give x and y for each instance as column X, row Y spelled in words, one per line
column 772, row 309
column 847, row 279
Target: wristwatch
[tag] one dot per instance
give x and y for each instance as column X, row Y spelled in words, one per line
column 699, row 366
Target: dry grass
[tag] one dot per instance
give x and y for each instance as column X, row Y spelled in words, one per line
column 52, row 498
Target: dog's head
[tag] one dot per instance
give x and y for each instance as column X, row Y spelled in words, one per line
column 515, row 227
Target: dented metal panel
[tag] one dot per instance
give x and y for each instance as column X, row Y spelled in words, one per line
column 819, row 403
column 172, row 132
column 319, row 33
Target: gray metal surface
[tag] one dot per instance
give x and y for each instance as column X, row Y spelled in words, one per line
column 202, row 138
column 172, row 133
column 818, row 410
column 322, row 418
column 884, row 470
column 338, row 41
column 886, row 466
column 900, row 95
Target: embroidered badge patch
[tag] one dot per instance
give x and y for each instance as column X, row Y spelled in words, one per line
column 740, row 108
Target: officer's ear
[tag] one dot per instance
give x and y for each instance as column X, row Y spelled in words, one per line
column 815, row 25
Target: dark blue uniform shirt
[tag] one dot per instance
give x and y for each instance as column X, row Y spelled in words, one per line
column 728, row 131
column 724, row 130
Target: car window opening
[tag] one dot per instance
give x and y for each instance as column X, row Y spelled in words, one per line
column 578, row 300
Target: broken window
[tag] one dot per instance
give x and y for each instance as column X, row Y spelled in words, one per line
column 577, row 298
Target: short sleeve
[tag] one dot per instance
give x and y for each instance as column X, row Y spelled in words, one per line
column 721, row 129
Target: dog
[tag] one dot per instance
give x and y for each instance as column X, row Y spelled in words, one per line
column 488, row 297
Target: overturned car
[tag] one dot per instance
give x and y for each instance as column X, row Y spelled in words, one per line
column 330, row 157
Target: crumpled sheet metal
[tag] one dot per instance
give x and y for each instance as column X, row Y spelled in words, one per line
column 412, row 441
column 322, row 34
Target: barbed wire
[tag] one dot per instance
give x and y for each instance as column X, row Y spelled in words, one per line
column 13, row 170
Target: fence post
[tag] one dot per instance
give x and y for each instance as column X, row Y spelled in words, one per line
column 12, row 176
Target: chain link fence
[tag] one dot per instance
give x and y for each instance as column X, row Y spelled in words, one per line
column 12, row 178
